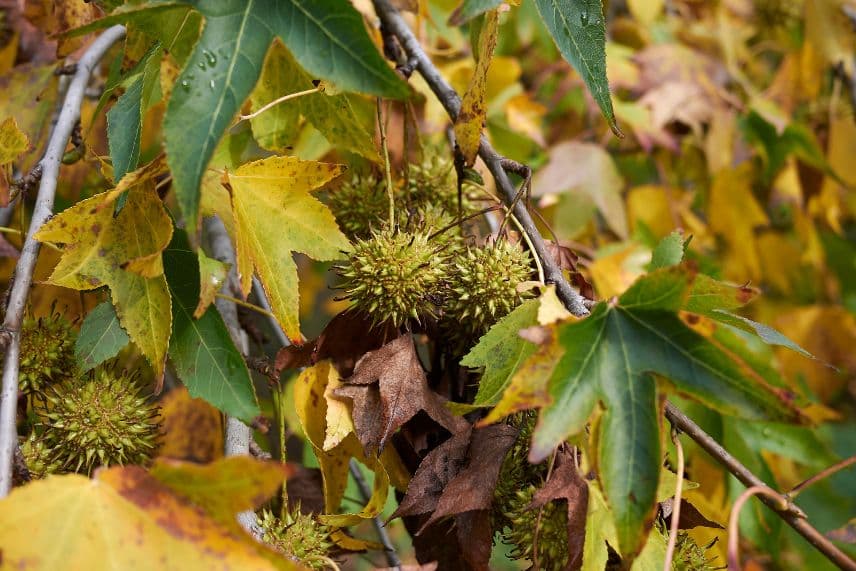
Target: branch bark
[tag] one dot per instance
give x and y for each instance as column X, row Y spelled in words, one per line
column 793, row 516
column 50, row 163
column 394, row 24
column 238, row 435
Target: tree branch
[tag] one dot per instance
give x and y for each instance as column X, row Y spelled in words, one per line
column 238, row 435
column 50, row 163
column 792, row 515
column 394, row 24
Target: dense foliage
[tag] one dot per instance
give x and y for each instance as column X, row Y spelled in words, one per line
column 456, row 266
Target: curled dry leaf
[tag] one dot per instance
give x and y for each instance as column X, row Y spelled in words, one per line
column 388, row 388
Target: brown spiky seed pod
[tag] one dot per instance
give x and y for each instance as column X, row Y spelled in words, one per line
column 298, row 535
column 482, row 285
column 100, row 420
column 47, row 353
column 393, row 276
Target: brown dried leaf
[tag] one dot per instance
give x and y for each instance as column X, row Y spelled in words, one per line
column 402, row 391
column 436, row 470
column 566, row 484
column 347, row 337
column 472, row 488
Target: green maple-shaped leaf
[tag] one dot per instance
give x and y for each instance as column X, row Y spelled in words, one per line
column 275, row 215
column 611, row 357
column 328, row 39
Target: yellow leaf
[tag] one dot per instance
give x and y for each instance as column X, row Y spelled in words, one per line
column 828, row 333
column 338, row 417
column 734, row 214
column 12, row 141
column 312, row 410
column 646, row 11
column 829, row 32
column 275, row 215
column 614, row 271
column 100, row 249
column 225, row 487
column 9, row 52
column 191, row 429
column 123, row 519
column 72, row 14
column 470, row 121
column 525, row 116
column 550, row 308
column 212, row 276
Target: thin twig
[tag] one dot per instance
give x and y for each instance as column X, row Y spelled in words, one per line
column 676, row 503
column 276, row 102
column 792, row 514
column 734, row 521
column 388, row 548
column 394, row 24
column 821, row 475
column 385, row 148
column 248, row 305
column 68, row 118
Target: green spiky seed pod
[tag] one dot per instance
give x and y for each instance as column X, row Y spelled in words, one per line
column 392, row 276
column 100, row 420
column 482, row 285
column 47, row 353
column 434, row 182
column 38, row 457
column 689, row 556
column 299, row 536
column 360, row 205
column 536, row 533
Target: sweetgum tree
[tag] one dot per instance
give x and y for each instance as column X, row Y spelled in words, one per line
column 548, row 284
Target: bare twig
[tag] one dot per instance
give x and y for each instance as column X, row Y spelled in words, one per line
column 734, row 521
column 23, row 278
column 676, row 504
column 846, row 463
column 392, row 558
column 780, row 504
column 392, row 23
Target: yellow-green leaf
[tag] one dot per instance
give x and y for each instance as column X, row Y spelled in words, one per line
column 13, row 142
column 122, row 252
column 123, row 519
column 275, row 215
column 212, row 275
column 470, row 120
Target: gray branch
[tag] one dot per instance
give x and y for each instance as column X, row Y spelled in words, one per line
column 50, row 163
column 238, row 435
column 448, row 97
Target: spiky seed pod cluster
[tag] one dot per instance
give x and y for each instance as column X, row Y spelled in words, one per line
column 360, row 205
column 392, row 275
column 537, row 534
column 483, row 285
column 99, row 420
column 298, row 535
column 38, row 457
column 47, row 353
